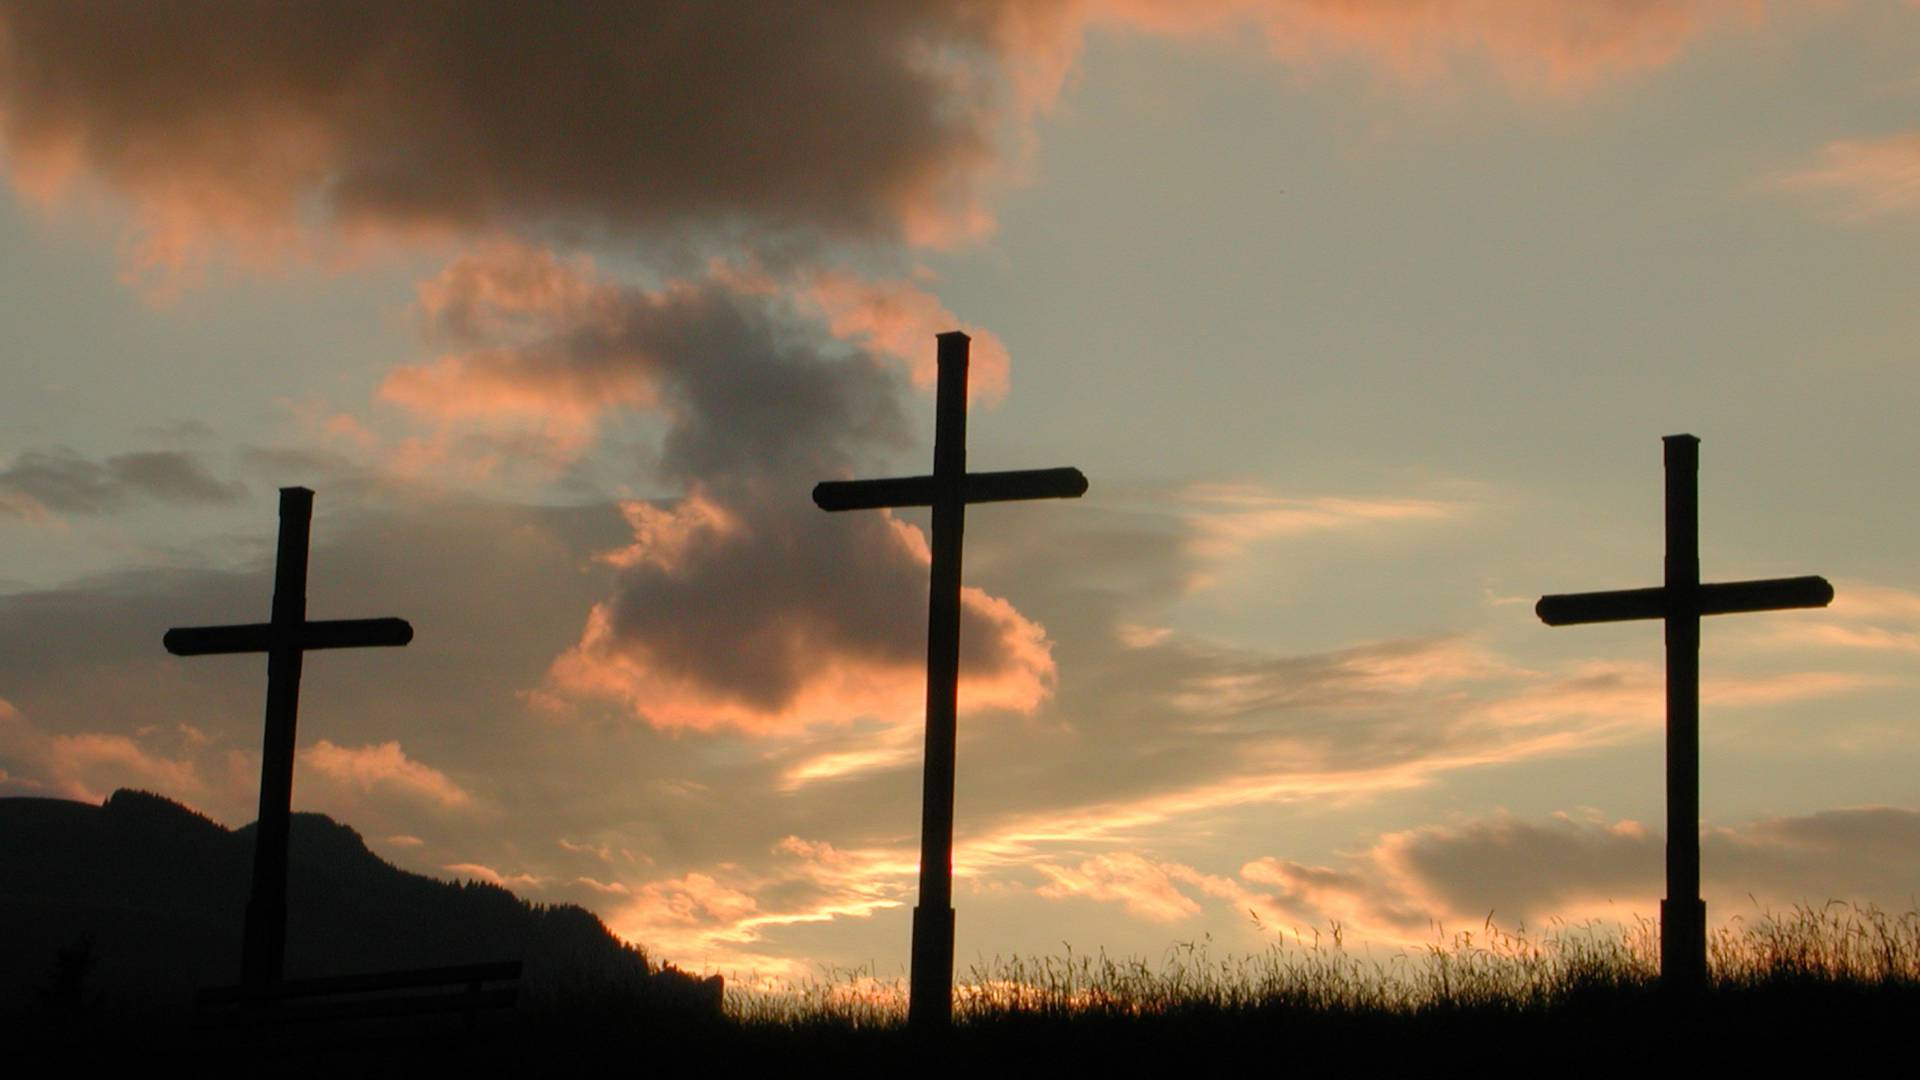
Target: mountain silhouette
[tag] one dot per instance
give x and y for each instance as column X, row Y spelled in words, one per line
column 137, row 902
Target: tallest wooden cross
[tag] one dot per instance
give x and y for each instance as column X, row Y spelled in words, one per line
column 947, row 491
column 285, row 640
column 1680, row 602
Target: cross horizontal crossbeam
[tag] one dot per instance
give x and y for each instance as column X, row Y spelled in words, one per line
column 979, row 487
column 261, row 637
column 1722, row 598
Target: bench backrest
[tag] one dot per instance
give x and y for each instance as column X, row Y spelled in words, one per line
column 461, row 988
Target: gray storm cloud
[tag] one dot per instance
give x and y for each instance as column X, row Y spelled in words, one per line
column 738, row 603
column 59, row 481
column 757, row 122
column 1535, row 869
column 866, row 120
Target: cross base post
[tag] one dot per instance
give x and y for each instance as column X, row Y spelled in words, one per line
column 1683, row 944
column 262, row 950
column 930, row 991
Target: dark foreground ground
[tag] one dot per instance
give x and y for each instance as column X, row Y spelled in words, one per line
column 1814, row 1027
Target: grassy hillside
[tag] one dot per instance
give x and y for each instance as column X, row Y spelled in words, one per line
column 1821, row 992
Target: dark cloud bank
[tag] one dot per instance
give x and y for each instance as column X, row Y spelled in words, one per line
column 59, row 481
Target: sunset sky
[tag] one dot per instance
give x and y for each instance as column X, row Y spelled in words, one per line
column 1363, row 317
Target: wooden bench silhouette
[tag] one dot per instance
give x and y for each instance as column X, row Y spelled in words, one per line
column 468, row 989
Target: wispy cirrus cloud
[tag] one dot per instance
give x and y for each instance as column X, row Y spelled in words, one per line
column 724, row 923
column 1148, row 889
column 1226, row 519
column 1865, row 179
column 1533, row 46
column 1863, row 617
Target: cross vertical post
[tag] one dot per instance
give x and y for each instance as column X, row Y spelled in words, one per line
column 1680, row 602
column 1683, row 914
column 948, row 491
column 263, row 950
column 930, row 990
column 285, row 639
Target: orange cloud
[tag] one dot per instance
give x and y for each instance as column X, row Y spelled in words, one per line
column 1554, row 45
column 738, row 605
column 539, row 353
column 1406, row 887
column 827, row 685
column 482, row 872
column 1227, row 519
column 720, row 920
column 1871, row 178
column 898, row 747
column 1874, row 618
column 87, row 765
column 1574, row 867
column 1148, row 889
column 383, row 766
column 893, row 317
column 899, row 320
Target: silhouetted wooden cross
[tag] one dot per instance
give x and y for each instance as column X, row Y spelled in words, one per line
column 1681, row 602
column 947, row 491
column 284, row 640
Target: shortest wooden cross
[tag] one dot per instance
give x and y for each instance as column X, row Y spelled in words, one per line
column 284, row 640
column 1681, row 602
column 948, row 491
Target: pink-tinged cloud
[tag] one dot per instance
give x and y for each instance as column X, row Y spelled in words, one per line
column 483, row 872
column 1344, row 727
column 1146, row 888
column 1409, row 887
column 537, row 348
column 738, row 604
column 891, row 747
column 87, row 765
column 539, row 353
column 1577, row 867
column 893, row 317
column 264, row 125
column 722, row 920
column 1224, row 520
column 717, row 627
column 1285, row 894
column 383, row 767
column 545, row 346
column 694, row 918
column 898, row 319
column 1622, row 695
column 1874, row 618
column 1533, row 45
column 1867, row 178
